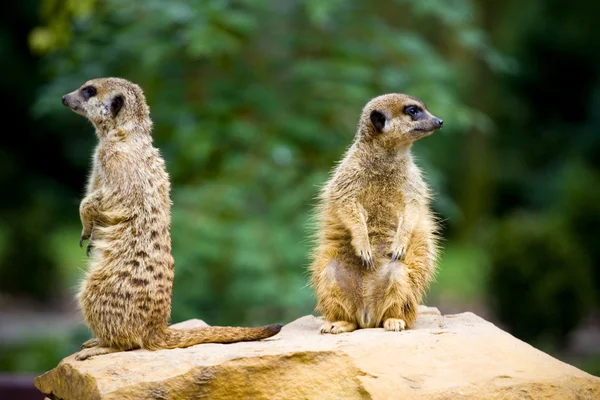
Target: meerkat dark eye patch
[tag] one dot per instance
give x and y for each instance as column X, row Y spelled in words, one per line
column 415, row 112
column 378, row 120
column 88, row 91
column 116, row 104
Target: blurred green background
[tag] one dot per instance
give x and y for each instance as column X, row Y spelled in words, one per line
column 254, row 101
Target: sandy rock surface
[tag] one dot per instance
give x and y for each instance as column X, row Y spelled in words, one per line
column 457, row 356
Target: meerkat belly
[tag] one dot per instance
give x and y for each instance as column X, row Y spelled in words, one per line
column 382, row 206
column 382, row 222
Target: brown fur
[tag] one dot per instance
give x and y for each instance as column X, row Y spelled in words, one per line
column 376, row 246
column 126, row 214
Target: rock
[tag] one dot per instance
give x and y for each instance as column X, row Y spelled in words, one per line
column 444, row 357
column 190, row 324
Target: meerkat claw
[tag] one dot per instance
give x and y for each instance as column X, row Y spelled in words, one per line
column 84, row 236
column 367, row 259
column 398, row 255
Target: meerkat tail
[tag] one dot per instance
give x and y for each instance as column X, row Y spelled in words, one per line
column 178, row 338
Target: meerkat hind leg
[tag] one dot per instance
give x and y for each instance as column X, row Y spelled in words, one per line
column 93, row 342
column 398, row 302
column 94, row 351
column 338, row 327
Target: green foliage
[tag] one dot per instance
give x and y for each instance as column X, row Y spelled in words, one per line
column 253, row 102
column 36, row 355
column 42, row 353
column 540, row 274
column 461, row 271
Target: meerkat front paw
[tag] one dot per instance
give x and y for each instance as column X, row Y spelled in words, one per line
column 363, row 250
column 394, row 325
column 86, row 233
column 367, row 258
column 398, row 250
column 338, row 327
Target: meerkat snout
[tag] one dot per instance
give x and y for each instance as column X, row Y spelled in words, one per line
column 72, row 101
column 431, row 125
column 76, row 100
column 68, row 101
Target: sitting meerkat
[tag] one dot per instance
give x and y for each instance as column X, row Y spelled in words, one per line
column 126, row 214
column 376, row 247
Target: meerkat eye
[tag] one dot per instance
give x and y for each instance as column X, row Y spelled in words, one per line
column 412, row 111
column 88, row 91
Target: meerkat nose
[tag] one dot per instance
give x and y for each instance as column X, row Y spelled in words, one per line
column 64, row 100
column 439, row 122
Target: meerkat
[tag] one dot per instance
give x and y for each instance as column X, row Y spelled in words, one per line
column 126, row 213
column 376, row 246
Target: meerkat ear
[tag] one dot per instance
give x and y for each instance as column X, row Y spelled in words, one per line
column 378, row 120
column 116, row 104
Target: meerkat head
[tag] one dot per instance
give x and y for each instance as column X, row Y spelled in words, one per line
column 396, row 119
column 109, row 103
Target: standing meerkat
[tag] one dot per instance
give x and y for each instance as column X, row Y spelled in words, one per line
column 376, row 248
column 126, row 214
